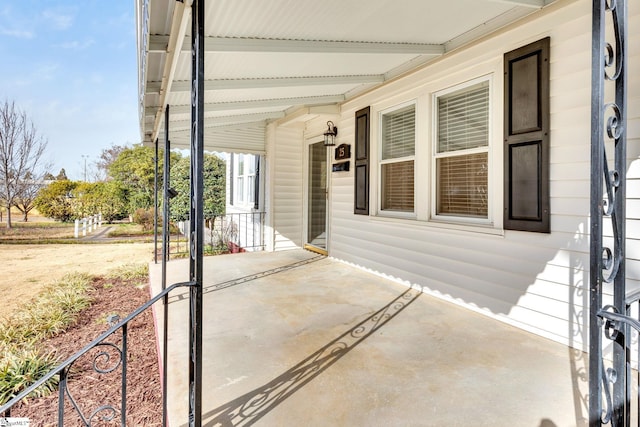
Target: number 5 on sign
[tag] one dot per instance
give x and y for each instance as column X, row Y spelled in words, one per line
column 343, row 152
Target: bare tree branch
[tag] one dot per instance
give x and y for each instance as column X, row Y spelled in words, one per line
column 21, row 150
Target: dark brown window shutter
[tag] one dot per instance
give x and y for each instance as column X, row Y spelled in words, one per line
column 526, row 138
column 361, row 172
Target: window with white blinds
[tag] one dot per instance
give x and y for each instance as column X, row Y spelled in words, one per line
column 398, row 131
column 461, row 155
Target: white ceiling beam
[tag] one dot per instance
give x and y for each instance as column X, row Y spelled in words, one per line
column 214, row 122
column 184, row 126
column 526, row 3
column 180, row 19
column 260, row 103
column 158, row 43
column 185, row 85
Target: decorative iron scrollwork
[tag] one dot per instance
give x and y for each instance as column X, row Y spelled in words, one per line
column 109, row 415
column 607, row 412
column 613, row 116
column 614, row 55
column 103, row 358
column 609, row 389
column 106, row 361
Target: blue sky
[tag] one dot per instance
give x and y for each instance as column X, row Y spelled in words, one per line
column 72, row 67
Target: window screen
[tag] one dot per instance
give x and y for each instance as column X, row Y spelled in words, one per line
column 462, row 152
column 397, row 160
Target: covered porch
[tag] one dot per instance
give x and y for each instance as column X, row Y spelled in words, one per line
column 293, row 338
column 541, row 227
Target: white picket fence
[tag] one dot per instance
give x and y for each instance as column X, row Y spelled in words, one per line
column 89, row 224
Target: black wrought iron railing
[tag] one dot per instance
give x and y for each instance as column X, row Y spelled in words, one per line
column 239, row 231
column 230, row 232
column 112, row 355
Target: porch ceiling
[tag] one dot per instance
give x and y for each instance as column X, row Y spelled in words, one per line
column 265, row 60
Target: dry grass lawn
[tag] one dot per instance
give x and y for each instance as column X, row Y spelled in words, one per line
column 26, row 269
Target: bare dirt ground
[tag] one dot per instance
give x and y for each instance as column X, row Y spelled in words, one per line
column 26, row 269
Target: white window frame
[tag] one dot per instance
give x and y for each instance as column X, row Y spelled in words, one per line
column 381, row 162
column 244, row 196
column 452, row 218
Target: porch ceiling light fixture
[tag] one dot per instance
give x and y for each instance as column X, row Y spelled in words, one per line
column 330, row 134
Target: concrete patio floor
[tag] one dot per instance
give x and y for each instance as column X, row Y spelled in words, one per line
column 296, row 339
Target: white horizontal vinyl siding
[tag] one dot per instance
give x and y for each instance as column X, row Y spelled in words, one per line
column 535, row 281
column 287, row 181
column 243, row 140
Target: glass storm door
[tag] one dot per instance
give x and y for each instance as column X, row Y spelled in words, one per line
column 317, row 197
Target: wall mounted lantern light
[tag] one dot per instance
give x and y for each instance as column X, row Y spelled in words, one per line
column 330, row 134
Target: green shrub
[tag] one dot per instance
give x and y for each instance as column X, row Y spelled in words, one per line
column 21, row 367
column 51, row 312
column 144, row 217
column 131, row 271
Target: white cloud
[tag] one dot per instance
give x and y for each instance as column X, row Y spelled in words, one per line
column 23, row 23
column 21, row 34
column 46, row 71
column 77, row 45
column 57, row 20
column 13, row 25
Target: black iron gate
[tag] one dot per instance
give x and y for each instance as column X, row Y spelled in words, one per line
column 611, row 323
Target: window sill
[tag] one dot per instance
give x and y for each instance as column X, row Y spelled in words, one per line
column 440, row 225
column 397, row 215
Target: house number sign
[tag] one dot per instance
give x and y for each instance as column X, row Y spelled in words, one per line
column 343, row 152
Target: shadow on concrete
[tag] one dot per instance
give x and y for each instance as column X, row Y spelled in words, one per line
column 249, row 408
column 245, row 279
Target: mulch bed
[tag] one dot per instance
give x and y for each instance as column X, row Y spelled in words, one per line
column 91, row 389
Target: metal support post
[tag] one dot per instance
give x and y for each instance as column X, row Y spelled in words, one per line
column 610, row 389
column 196, row 223
column 165, row 257
column 155, row 206
column 166, row 185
